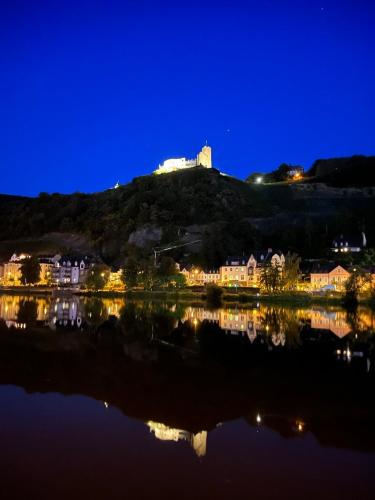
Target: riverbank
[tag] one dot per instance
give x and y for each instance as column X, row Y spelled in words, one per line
column 196, row 296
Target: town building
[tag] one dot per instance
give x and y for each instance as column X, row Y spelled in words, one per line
column 47, row 264
column 196, row 276
column 12, row 269
column 237, row 271
column 328, row 276
column 349, row 243
column 295, row 172
column 246, row 271
column 72, row 270
column 203, row 159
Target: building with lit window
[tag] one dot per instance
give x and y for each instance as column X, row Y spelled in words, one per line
column 246, row 271
column 72, row 270
column 349, row 243
column 328, row 276
column 12, row 269
column 237, row 271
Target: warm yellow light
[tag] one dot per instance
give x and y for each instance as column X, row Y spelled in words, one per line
column 258, row 419
column 106, row 404
column 300, row 425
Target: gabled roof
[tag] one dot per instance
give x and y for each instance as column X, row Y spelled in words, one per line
column 235, row 260
column 259, row 255
column 211, row 271
column 348, row 240
column 265, row 255
column 325, row 267
column 87, row 259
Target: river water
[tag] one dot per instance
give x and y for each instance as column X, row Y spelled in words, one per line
column 110, row 399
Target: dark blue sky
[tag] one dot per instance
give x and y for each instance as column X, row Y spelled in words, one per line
column 95, row 92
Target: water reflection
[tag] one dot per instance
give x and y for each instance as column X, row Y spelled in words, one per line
column 73, row 311
column 184, row 373
column 197, row 441
column 188, row 327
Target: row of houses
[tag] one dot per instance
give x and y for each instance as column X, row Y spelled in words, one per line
column 245, row 272
column 61, row 270
column 237, row 271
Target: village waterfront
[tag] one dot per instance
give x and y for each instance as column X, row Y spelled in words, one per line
column 244, row 397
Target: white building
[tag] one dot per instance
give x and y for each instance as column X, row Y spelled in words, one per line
column 72, row 270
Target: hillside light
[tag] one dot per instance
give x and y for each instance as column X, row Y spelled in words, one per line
column 259, row 180
column 258, row 419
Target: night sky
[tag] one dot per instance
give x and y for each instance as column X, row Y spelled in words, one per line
column 96, row 92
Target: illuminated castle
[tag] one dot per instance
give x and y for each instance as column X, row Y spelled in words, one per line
column 203, row 159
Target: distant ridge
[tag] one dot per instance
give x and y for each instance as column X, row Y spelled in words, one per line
column 227, row 215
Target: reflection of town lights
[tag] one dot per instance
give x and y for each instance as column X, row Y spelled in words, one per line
column 267, row 328
column 106, row 404
column 258, row 419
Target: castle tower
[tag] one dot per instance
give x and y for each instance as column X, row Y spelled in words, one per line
column 204, row 157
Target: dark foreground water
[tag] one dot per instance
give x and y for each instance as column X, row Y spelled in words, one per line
column 102, row 399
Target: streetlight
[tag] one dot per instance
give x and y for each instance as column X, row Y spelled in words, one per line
column 259, row 180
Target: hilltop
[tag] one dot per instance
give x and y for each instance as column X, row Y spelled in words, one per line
column 227, row 215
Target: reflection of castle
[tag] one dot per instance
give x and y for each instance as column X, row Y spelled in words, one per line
column 197, row 441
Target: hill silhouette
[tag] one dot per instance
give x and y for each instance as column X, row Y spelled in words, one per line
column 226, row 215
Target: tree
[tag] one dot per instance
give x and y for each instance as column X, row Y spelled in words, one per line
column 357, row 282
column 271, row 278
column 368, row 258
column 30, row 271
column 130, row 273
column 177, row 280
column 167, row 266
column 147, row 276
column 168, row 274
column 98, row 277
column 291, row 272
